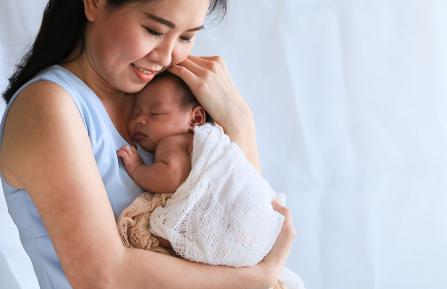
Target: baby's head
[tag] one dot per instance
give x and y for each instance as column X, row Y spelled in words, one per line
column 163, row 108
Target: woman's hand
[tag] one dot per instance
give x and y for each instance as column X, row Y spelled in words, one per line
column 211, row 84
column 274, row 262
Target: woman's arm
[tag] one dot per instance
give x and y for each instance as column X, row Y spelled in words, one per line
column 46, row 150
column 211, row 84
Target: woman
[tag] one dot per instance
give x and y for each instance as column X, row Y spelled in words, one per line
column 68, row 107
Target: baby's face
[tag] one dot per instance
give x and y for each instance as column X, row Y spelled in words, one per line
column 158, row 113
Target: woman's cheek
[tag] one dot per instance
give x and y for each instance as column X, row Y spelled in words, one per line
column 181, row 53
column 139, row 47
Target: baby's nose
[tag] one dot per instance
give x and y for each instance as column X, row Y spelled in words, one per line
column 140, row 120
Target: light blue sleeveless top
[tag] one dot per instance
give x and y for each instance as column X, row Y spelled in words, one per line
column 105, row 141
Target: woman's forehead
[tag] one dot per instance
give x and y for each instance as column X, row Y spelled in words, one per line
column 181, row 14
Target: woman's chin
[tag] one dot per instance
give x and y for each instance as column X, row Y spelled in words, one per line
column 131, row 85
column 132, row 88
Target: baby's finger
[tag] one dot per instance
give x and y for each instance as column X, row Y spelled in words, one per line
column 133, row 151
column 123, row 152
column 123, row 148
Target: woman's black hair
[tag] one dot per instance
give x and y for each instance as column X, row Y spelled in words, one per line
column 62, row 29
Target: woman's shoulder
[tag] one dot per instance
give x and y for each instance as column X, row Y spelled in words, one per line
column 40, row 104
column 53, row 81
column 42, row 95
column 41, row 114
column 40, row 84
column 54, row 89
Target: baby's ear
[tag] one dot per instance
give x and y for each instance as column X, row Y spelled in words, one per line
column 198, row 116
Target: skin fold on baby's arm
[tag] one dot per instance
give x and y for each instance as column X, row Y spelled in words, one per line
column 170, row 169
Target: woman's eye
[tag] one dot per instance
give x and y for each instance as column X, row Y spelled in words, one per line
column 185, row 39
column 153, row 32
column 156, row 113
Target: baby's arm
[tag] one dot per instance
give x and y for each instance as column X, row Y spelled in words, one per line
column 170, row 169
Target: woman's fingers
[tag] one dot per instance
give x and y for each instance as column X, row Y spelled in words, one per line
column 202, row 68
column 204, row 79
column 187, row 75
column 288, row 222
column 206, row 60
column 202, row 61
column 195, row 67
column 288, row 230
column 281, row 249
column 211, row 84
column 211, row 63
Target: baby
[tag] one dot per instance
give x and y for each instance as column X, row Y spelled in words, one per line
column 162, row 122
column 206, row 200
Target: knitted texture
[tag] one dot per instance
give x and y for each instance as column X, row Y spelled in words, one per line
column 222, row 213
column 133, row 226
column 133, row 223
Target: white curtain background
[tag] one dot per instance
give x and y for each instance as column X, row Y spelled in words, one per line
column 350, row 101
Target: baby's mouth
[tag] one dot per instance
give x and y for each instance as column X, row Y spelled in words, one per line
column 139, row 136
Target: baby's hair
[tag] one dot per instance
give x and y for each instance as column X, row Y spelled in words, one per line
column 188, row 99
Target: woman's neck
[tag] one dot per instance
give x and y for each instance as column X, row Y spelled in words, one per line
column 83, row 69
column 117, row 104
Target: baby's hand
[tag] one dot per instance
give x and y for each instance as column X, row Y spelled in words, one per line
column 130, row 157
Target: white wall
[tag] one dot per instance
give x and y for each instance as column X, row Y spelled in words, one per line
column 350, row 103
column 351, row 109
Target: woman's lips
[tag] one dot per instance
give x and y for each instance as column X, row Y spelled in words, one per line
column 144, row 74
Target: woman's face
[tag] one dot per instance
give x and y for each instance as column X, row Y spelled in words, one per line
column 129, row 45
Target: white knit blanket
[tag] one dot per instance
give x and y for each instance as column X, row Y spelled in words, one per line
column 222, row 213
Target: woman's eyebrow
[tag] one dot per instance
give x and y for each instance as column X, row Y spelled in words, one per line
column 169, row 23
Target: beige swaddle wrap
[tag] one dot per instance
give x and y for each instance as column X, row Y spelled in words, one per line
column 133, row 223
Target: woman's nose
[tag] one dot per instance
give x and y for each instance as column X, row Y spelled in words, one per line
column 162, row 54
